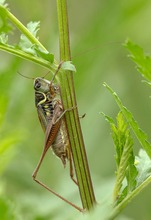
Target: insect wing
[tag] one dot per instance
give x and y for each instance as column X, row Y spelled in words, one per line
column 42, row 118
column 53, row 126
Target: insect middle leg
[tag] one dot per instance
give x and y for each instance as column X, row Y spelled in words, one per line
column 64, row 112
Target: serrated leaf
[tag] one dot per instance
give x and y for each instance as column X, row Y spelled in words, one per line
column 108, row 118
column 44, row 54
column 33, row 27
column 143, row 61
column 67, row 65
column 3, row 38
column 119, row 134
column 25, row 44
column 124, row 157
column 140, row 134
column 131, row 174
column 143, row 164
column 5, row 26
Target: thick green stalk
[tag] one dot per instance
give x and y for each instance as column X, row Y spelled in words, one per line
column 72, row 117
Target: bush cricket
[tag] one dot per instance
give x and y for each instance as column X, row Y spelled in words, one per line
column 51, row 116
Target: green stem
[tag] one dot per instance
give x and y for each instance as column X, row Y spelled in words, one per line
column 22, row 28
column 19, row 53
column 128, row 198
column 72, row 118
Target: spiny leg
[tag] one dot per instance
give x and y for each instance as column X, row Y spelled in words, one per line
column 71, row 166
column 39, row 164
column 56, row 194
column 34, row 175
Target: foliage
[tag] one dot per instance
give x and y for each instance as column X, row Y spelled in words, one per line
column 21, row 140
column 127, row 167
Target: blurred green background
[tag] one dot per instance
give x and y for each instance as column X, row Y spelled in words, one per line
column 97, row 29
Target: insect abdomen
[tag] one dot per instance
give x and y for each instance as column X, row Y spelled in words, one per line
column 61, row 144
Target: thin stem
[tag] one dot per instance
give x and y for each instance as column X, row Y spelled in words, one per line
column 128, row 198
column 8, row 48
column 72, row 118
column 22, row 28
column 26, row 56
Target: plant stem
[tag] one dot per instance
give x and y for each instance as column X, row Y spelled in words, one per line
column 128, row 198
column 22, row 28
column 72, row 117
column 19, row 53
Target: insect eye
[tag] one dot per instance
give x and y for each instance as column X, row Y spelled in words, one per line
column 37, row 84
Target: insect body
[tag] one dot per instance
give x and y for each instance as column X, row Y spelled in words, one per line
column 49, row 108
column 51, row 116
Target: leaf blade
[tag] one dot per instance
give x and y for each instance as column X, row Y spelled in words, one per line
column 140, row 134
column 138, row 56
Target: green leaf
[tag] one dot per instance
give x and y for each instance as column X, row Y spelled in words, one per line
column 3, row 38
column 143, row 61
column 141, row 136
column 33, row 27
column 43, row 54
column 131, row 174
column 124, row 157
column 5, row 26
column 143, row 164
column 67, row 65
column 25, row 44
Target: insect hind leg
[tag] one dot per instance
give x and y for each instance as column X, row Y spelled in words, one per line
column 34, row 176
column 59, row 196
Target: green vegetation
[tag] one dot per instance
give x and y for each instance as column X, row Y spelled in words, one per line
column 121, row 173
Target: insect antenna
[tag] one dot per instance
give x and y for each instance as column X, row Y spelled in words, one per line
column 45, row 74
column 59, row 66
column 27, row 77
